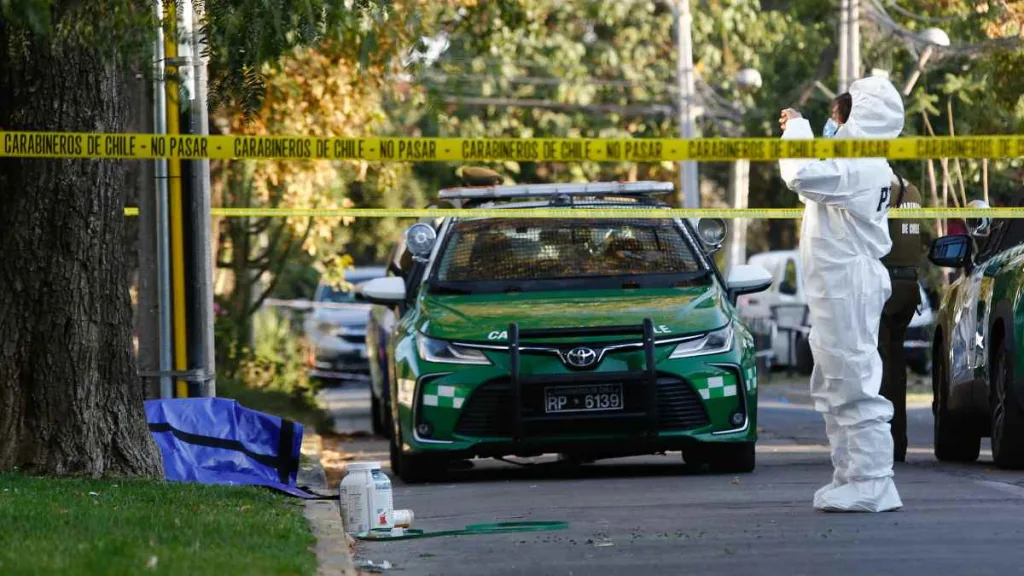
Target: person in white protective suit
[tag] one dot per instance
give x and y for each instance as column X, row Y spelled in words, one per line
column 843, row 236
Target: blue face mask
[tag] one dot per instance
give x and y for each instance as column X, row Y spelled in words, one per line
column 830, row 129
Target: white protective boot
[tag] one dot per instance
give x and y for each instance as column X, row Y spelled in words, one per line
column 840, row 457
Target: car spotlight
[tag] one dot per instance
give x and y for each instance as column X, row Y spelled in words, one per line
column 711, row 232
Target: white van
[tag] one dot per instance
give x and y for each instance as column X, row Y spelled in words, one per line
column 782, row 312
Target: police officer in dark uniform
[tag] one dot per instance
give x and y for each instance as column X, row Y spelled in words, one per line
column 908, row 249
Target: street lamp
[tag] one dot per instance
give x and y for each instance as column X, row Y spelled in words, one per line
column 932, row 37
column 748, row 80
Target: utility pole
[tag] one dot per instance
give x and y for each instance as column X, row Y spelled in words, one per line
column 161, row 216
column 202, row 250
column 854, row 47
column 739, row 190
column 689, row 182
column 844, row 45
column 196, row 207
column 849, row 43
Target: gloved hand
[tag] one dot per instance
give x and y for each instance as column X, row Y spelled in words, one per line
column 787, row 115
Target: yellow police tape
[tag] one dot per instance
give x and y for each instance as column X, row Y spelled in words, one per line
column 628, row 213
column 149, row 146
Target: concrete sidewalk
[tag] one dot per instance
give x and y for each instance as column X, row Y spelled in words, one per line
column 796, row 390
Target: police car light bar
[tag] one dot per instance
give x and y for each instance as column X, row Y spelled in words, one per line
column 540, row 190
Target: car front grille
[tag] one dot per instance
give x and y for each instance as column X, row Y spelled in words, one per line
column 679, row 406
column 488, row 410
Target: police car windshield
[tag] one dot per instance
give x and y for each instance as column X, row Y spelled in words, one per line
column 484, row 255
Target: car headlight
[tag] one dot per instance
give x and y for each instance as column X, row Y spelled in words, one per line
column 711, row 343
column 443, row 352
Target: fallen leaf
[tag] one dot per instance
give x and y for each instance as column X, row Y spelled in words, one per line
column 244, row 508
column 735, row 481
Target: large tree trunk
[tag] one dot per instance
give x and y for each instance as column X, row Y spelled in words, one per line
column 70, row 400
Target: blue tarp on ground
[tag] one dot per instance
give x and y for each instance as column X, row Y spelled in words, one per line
column 218, row 441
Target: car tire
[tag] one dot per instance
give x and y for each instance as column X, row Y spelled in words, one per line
column 722, row 458
column 955, row 439
column 414, row 468
column 1007, row 417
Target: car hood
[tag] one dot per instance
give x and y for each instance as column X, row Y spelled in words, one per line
column 486, row 317
column 341, row 315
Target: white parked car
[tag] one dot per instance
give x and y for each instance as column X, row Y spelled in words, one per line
column 336, row 328
column 781, row 312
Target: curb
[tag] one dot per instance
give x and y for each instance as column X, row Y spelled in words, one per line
column 333, row 545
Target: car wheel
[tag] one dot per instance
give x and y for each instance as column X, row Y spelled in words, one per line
column 955, row 440
column 1007, row 417
column 414, row 468
column 723, row 458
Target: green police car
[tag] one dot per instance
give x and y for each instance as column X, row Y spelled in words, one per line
column 586, row 337
column 979, row 341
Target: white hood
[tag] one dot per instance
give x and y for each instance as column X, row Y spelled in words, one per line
column 877, row 110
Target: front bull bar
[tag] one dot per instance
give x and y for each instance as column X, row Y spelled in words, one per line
column 648, row 378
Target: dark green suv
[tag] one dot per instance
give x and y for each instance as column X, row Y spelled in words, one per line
column 978, row 377
column 591, row 337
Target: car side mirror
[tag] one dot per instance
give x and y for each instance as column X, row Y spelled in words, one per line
column 388, row 291
column 951, row 251
column 747, row 279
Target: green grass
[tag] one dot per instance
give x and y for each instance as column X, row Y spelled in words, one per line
column 87, row 527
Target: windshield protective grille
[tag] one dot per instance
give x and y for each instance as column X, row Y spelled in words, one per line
column 557, row 249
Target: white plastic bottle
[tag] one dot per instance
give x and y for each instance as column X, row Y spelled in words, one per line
column 365, row 495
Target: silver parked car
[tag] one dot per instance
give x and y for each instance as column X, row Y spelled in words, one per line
column 336, row 328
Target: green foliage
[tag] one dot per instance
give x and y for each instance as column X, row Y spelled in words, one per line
column 103, row 527
column 276, row 359
column 608, row 69
column 535, row 68
column 271, row 375
column 370, row 33
column 117, row 30
column 985, row 87
column 33, row 15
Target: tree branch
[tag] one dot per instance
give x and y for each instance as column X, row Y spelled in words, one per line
column 281, row 264
column 825, row 65
column 265, row 256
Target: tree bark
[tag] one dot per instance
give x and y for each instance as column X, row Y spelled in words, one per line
column 71, row 402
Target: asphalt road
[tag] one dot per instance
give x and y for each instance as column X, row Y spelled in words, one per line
column 650, row 516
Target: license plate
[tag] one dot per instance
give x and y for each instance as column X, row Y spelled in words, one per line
column 583, row 398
